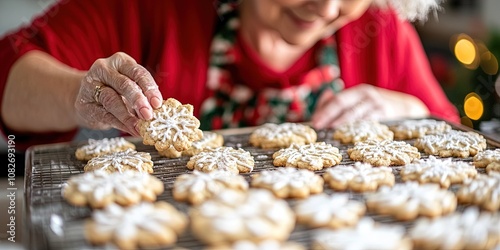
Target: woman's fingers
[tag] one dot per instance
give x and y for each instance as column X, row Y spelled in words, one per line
column 113, row 104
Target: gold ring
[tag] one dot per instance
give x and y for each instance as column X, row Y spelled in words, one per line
column 97, row 92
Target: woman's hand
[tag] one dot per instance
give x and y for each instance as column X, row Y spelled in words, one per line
column 115, row 93
column 365, row 102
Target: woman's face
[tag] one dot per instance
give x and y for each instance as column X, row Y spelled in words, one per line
column 302, row 22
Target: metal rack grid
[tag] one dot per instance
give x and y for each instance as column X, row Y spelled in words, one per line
column 52, row 223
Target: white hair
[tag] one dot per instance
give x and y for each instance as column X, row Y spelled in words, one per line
column 412, row 10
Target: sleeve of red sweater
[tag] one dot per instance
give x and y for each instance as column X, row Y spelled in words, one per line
column 77, row 32
column 382, row 50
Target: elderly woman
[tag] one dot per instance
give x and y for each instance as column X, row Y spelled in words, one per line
column 107, row 64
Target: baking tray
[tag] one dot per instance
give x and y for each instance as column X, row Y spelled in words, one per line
column 52, row 223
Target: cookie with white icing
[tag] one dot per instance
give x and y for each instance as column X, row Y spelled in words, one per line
column 173, row 124
column 406, row 201
column 144, row 225
column 223, row 158
column 411, row 129
column 99, row 189
column 365, row 235
column 312, row 156
column 441, row 171
column 209, row 140
column 468, row 230
column 282, row 135
column 361, row 177
column 199, row 186
column 264, row 245
column 383, row 153
column 332, row 211
column 360, row 131
column 232, row 216
column 452, row 144
column 288, row 182
column 100, row 147
column 483, row 191
column 121, row 161
column 493, row 167
column 484, row 158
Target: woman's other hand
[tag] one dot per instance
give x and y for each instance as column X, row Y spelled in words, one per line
column 115, row 93
column 365, row 102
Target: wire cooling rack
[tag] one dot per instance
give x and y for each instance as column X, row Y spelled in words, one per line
column 52, row 223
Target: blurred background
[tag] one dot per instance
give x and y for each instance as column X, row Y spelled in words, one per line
column 462, row 43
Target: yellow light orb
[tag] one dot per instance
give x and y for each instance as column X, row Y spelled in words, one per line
column 473, row 106
column 465, row 51
column 489, row 63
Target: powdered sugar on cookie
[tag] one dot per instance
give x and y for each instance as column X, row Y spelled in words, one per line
column 452, row 144
column 313, row 156
column 361, row 177
column 121, row 161
column 289, row 182
column 483, row 191
column 282, row 135
column 361, row 131
column 224, row 158
column 384, row 153
column 411, row 129
column 442, row 171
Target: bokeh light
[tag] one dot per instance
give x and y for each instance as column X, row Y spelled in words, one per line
column 466, row 51
column 466, row 121
column 473, row 106
column 489, row 63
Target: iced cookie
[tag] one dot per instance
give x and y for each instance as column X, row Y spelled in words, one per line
column 173, row 124
column 209, row 140
column 233, row 216
column 313, row 156
column 452, row 144
column 484, row 191
column 264, row 245
column 199, row 186
column 144, row 225
column 283, row 135
column 223, row 158
column 493, row 167
column 121, row 161
column 489, row 159
column 408, row 200
column 383, row 153
column 98, row 188
column 364, row 236
column 360, row 131
column 100, row 147
column 361, row 177
column 288, row 182
column 332, row 211
column 468, row 230
column 441, row 171
column 411, row 129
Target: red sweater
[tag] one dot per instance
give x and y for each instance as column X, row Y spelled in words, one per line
column 172, row 40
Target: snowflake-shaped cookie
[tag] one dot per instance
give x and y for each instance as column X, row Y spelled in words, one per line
column 361, row 177
column 98, row 188
column 173, row 124
column 383, row 153
column 127, row 227
column 452, row 144
column 442, row 171
column 483, row 191
column 313, row 156
column 360, row 131
column 411, row 129
column 99, row 147
column 468, row 230
column 486, row 157
column 209, row 140
column 493, row 167
column 231, row 216
column 283, row 135
column 121, row 161
column 263, row 245
column 224, row 158
column 199, row 186
column 408, row 200
column 332, row 211
column 289, row 182
column 365, row 235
